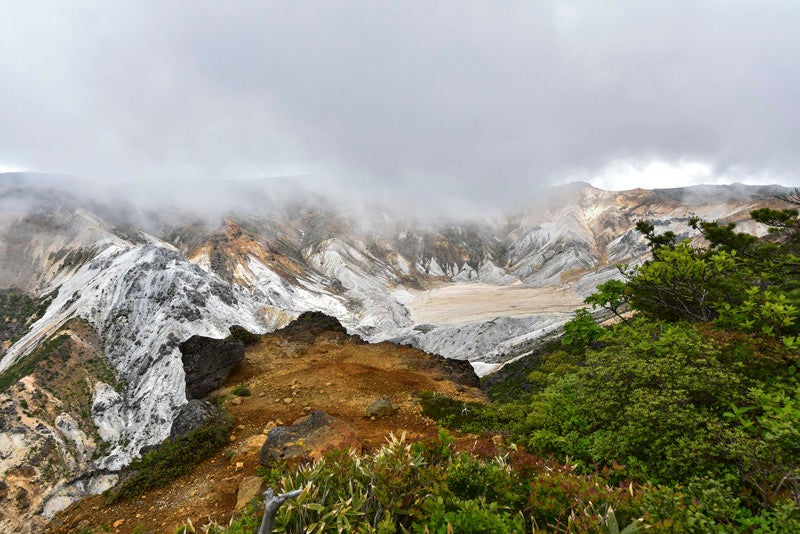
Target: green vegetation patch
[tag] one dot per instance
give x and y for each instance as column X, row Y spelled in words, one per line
column 510, row 382
column 26, row 365
column 240, row 333
column 472, row 417
column 242, row 390
column 18, row 311
column 172, row 459
column 427, row 486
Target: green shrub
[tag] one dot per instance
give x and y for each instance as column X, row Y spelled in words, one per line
column 474, row 417
column 172, row 459
column 473, row 478
column 580, row 331
column 652, row 400
column 475, row 516
column 411, row 487
column 242, row 390
column 245, row 336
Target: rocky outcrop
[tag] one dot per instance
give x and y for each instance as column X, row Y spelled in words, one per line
column 207, row 362
column 459, row 371
column 308, row 437
column 193, row 414
column 249, row 489
column 47, row 439
column 311, row 324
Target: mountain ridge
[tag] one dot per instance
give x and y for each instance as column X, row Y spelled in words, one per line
column 145, row 290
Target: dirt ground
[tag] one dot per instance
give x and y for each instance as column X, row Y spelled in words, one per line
column 288, row 378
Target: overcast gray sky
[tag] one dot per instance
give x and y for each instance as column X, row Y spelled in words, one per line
column 468, row 101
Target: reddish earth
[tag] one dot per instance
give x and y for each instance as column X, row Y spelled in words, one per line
column 289, row 376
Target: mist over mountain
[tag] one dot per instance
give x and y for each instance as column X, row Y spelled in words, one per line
column 115, row 285
column 460, row 100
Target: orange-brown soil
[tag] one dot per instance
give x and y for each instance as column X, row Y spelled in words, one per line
column 289, row 376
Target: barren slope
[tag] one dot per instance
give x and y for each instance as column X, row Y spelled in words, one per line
column 466, row 303
column 290, row 372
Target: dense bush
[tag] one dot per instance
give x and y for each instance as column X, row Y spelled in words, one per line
column 655, row 398
column 682, row 417
column 426, row 486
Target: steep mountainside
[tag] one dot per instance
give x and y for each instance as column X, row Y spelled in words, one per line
column 143, row 289
column 312, row 364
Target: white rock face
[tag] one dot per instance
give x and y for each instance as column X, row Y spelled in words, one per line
column 73, row 435
column 365, row 280
column 144, row 296
column 63, row 496
column 107, row 414
column 488, row 342
column 143, row 300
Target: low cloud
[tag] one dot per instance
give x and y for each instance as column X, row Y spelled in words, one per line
column 417, row 104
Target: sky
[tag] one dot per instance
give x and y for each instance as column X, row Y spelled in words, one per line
column 456, row 101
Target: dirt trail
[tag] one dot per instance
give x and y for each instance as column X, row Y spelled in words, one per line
column 288, row 377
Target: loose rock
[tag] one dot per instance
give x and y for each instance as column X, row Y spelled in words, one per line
column 191, row 415
column 308, row 436
column 382, row 407
column 249, row 489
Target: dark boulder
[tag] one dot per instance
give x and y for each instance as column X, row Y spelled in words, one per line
column 207, row 362
column 309, row 325
column 459, row 371
column 192, row 415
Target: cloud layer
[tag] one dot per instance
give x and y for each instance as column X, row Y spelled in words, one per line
column 413, row 102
